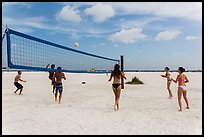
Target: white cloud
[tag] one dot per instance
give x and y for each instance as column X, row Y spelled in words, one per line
column 100, row 12
column 25, row 4
column 115, row 46
column 128, row 35
column 190, row 37
column 69, row 14
column 78, row 3
column 6, row 5
column 34, row 22
column 23, row 29
column 26, row 25
column 167, row 35
column 140, row 22
column 186, row 10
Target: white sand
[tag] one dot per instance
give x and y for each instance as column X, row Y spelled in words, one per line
column 88, row 109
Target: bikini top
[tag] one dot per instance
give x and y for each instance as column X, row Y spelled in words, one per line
column 179, row 79
column 168, row 74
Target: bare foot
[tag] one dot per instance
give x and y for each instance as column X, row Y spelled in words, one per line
column 14, row 92
column 170, row 97
column 115, row 107
column 187, row 107
column 180, row 110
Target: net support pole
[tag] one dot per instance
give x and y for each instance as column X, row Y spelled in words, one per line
column 122, row 69
column 4, row 33
column 8, row 47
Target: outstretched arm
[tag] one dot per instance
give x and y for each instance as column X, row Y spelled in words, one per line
column 175, row 80
column 47, row 65
column 22, row 80
column 19, row 78
column 110, row 77
column 165, row 76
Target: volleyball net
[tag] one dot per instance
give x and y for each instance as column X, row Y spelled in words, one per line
column 28, row 52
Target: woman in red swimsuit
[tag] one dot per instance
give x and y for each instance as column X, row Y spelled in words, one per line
column 182, row 89
column 116, row 86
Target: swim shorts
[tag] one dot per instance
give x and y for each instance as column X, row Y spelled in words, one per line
column 59, row 87
column 18, row 85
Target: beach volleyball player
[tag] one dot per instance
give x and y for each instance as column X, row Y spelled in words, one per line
column 116, row 86
column 17, row 84
column 51, row 76
column 182, row 89
column 58, row 83
column 168, row 78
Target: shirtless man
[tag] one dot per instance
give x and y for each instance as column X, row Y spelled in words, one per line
column 58, row 83
column 17, row 84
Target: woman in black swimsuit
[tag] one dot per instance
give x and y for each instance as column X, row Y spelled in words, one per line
column 116, row 86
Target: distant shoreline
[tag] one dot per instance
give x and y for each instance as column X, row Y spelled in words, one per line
column 13, row 70
column 160, row 70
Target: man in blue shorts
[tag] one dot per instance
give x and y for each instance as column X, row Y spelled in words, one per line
column 58, row 83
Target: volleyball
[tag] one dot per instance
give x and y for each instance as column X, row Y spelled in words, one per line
column 76, row 44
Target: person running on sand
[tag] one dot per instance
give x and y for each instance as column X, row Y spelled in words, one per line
column 51, row 76
column 182, row 89
column 58, row 83
column 116, row 86
column 168, row 77
column 17, row 84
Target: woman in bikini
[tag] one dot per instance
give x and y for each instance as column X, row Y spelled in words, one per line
column 167, row 76
column 116, row 86
column 182, row 90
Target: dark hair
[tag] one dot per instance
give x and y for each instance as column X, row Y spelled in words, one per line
column 116, row 71
column 167, row 68
column 181, row 69
column 19, row 71
column 53, row 66
column 59, row 67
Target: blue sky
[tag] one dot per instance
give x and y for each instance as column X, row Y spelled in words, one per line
column 149, row 35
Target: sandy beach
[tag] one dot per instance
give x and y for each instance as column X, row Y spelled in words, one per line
column 88, row 109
